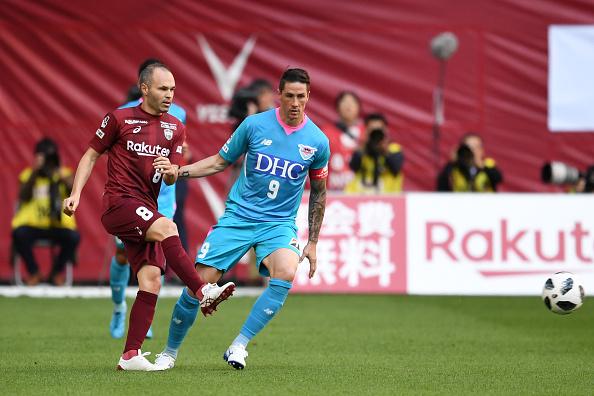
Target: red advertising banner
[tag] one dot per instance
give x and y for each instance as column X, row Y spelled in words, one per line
column 362, row 247
column 65, row 64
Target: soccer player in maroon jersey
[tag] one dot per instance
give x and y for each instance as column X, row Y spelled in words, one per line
column 144, row 143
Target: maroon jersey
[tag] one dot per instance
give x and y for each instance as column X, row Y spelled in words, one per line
column 134, row 138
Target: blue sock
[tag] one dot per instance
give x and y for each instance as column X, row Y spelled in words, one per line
column 183, row 317
column 265, row 308
column 119, row 275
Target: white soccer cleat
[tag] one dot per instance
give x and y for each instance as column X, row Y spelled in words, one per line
column 164, row 361
column 235, row 356
column 214, row 295
column 136, row 363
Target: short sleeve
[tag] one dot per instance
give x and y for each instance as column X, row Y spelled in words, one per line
column 322, row 156
column 176, row 156
column 319, row 166
column 237, row 144
column 106, row 134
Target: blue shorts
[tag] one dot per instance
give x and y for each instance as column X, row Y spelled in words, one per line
column 231, row 238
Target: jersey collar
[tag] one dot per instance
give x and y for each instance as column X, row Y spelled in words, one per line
column 288, row 128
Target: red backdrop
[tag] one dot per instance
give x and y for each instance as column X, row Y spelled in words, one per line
column 65, row 64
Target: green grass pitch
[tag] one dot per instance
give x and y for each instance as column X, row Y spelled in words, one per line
column 318, row 345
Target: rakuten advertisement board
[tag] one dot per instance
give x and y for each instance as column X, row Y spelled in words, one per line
column 361, row 248
column 497, row 244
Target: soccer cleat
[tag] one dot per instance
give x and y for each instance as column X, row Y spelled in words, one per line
column 137, row 362
column 214, row 295
column 164, row 361
column 149, row 333
column 235, row 356
column 117, row 326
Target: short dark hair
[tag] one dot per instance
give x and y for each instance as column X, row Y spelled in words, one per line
column 344, row 94
column 147, row 62
column 146, row 74
column 292, row 76
column 375, row 116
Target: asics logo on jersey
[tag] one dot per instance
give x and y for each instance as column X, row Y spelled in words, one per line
column 278, row 166
column 266, row 142
column 269, row 312
column 147, row 149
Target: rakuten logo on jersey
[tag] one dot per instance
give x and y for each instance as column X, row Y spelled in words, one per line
column 280, row 167
column 147, row 150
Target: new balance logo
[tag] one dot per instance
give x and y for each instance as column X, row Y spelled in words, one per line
column 269, row 312
column 266, row 142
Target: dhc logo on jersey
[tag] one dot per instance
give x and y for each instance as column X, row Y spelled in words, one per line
column 278, row 166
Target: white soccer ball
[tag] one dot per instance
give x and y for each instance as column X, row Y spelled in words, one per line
column 563, row 293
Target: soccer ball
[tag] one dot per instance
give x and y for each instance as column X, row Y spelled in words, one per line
column 563, row 293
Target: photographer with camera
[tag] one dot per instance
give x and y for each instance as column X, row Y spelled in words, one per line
column 470, row 171
column 561, row 174
column 39, row 216
column 377, row 165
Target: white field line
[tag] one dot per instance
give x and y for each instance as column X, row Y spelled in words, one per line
column 46, row 291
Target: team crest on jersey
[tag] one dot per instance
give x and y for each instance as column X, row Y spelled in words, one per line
column 306, row 152
column 168, row 134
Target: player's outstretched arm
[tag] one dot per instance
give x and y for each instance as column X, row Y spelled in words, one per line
column 317, row 206
column 83, row 172
column 205, row 167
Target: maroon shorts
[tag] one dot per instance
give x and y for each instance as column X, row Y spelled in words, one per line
column 129, row 219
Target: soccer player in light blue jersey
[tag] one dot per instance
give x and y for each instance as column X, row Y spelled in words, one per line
column 119, row 270
column 282, row 147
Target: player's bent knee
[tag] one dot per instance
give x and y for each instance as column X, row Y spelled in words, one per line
column 284, row 273
column 149, row 279
column 161, row 229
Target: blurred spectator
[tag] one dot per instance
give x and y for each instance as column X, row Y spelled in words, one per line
column 378, row 163
column 470, row 170
column 264, row 94
column 39, row 216
column 255, row 98
column 345, row 136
